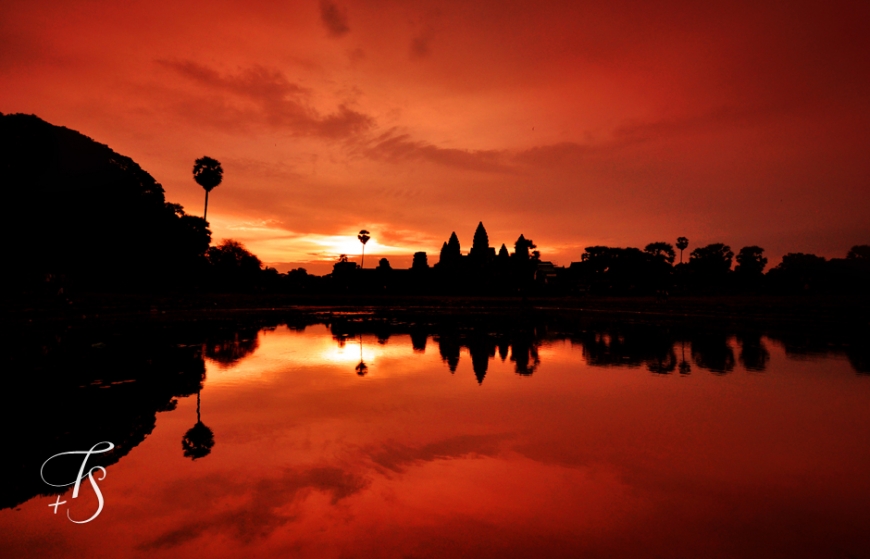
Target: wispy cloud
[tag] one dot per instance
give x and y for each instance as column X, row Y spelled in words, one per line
column 278, row 101
column 395, row 148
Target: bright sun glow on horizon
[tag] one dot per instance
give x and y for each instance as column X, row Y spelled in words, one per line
column 273, row 244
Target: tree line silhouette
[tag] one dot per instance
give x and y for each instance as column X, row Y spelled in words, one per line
column 88, row 219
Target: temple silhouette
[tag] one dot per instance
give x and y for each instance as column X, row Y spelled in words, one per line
column 601, row 270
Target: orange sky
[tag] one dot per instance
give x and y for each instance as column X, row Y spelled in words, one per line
column 584, row 123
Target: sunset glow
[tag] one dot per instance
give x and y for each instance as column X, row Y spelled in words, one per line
column 572, row 123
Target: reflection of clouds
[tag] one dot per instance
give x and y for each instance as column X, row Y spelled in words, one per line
column 397, row 457
column 269, row 503
column 261, row 513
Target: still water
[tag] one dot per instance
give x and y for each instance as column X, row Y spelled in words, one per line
column 349, row 439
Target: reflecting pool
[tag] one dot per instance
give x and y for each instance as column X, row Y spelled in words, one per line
column 350, row 437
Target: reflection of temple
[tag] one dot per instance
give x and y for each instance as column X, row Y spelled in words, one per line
column 483, row 347
column 603, row 345
column 517, row 341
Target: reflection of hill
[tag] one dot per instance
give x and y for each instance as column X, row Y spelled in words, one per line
column 68, row 389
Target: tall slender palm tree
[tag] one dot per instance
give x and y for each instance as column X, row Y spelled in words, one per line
column 682, row 243
column 208, row 173
column 363, row 238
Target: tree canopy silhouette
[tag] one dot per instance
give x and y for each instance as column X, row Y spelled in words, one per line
column 715, row 258
column 90, row 215
column 661, row 251
column 859, row 252
column 233, row 267
column 750, row 261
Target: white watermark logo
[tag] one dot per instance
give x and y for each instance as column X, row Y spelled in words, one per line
column 96, row 449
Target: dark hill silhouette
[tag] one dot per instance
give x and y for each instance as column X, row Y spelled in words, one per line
column 83, row 215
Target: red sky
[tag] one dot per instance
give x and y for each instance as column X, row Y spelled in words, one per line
column 584, row 123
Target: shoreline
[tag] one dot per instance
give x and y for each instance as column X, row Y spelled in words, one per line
column 790, row 312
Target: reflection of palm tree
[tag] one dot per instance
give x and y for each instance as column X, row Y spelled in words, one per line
column 685, row 368
column 361, row 368
column 363, row 238
column 199, row 440
column 208, row 173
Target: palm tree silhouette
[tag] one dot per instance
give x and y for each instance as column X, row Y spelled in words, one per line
column 363, row 238
column 208, row 173
column 199, row 439
column 682, row 243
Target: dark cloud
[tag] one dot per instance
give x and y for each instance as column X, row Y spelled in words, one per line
column 279, row 102
column 334, row 18
column 260, row 514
